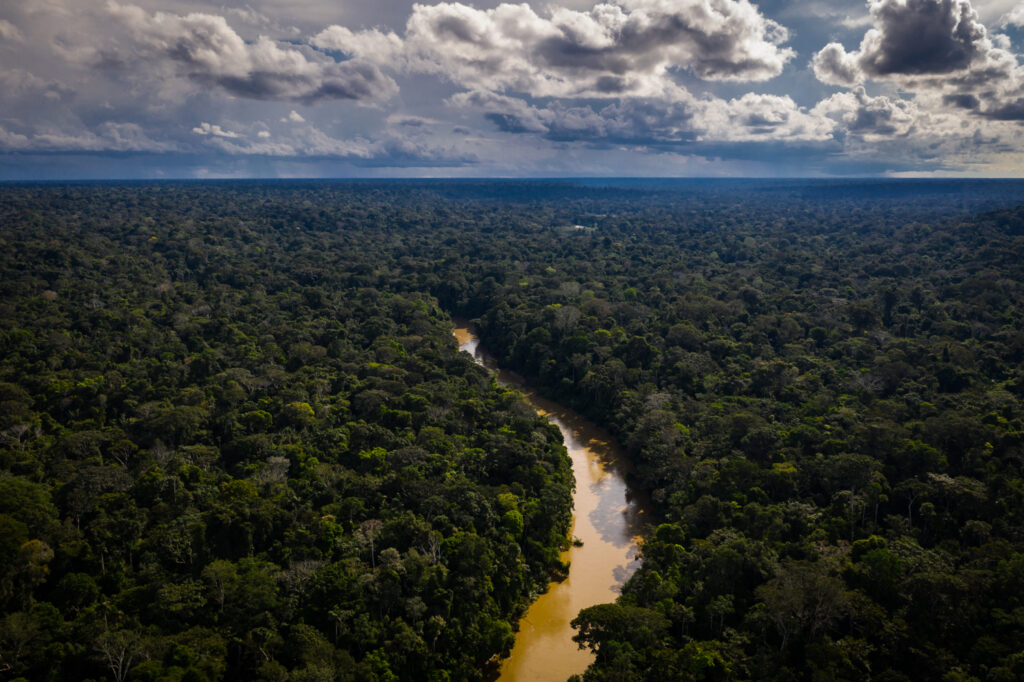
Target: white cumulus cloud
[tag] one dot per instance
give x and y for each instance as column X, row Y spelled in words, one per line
column 610, row 51
column 214, row 129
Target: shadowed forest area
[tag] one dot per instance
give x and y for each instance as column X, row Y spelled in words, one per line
column 237, row 440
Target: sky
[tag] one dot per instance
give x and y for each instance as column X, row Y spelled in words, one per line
column 94, row 89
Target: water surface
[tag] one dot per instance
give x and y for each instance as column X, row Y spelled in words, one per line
column 607, row 518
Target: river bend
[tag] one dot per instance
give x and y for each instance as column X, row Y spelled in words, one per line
column 607, row 518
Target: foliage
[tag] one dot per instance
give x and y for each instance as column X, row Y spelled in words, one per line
column 224, row 457
column 238, row 441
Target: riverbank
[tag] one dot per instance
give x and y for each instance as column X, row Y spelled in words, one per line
column 607, row 517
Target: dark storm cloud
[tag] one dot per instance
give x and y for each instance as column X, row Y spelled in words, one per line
column 937, row 49
column 909, row 38
column 873, row 122
column 962, row 101
column 507, row 123
column 917, row 37
column 1008, row 111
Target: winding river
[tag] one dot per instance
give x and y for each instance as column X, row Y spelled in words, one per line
column 608, row 520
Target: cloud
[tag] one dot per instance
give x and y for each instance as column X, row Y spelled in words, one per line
column 18, row 82
column 917, row 37
column 762, row 118
column 12, row 141
column 110, row 136
column 306, row 141
column 247, row 16
column 129, row 136
column 206, row 50
column 991, row 11
column 611, row 51
column 907, row 134
column 634, row 121
column 372, row 44
column 398, row 144
column 207, row 129
column 939, row 51
column 1011, row 110
column 508, row 114
column 1015, row 17
column 909, row 38
column 835, row 66
column 962, row 101
column 409, row 121
column 750, row 118
column 599, row 88
column 870, row 118
column 10, row 32
column 860, row 21
column 907, row 124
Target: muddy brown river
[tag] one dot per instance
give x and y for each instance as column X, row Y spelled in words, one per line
column 607, row 518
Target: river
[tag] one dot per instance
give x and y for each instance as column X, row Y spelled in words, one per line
column 608, row 519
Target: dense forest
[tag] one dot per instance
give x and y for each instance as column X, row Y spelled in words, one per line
column 226, row 456
column 238, row 441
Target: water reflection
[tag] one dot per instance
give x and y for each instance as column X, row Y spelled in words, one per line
column 608, row 519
